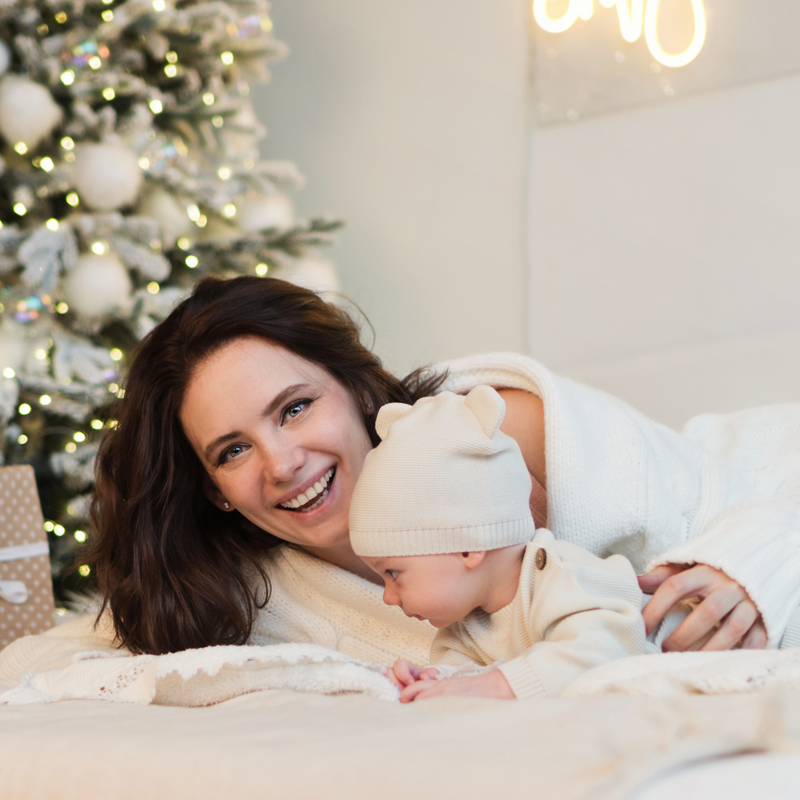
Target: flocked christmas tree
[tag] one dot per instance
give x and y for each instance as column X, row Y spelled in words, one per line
column 129, row 168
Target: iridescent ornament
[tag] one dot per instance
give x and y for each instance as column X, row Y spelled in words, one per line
column 164, row 153
column 250, row 27
column 28, row 310
column 83, row 53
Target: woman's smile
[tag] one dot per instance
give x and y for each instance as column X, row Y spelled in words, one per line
column 311, row 496
column 281, row 439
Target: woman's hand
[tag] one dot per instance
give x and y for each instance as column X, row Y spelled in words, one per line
column 487, row 684
column 723, row 602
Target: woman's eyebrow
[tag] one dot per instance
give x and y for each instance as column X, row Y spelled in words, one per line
column 280, row 399
column 283, row 397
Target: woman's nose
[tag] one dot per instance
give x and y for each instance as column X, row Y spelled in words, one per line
column 281, row 462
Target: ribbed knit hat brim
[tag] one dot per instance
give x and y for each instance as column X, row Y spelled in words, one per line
column 444, row 479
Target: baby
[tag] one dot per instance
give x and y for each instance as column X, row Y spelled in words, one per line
column 441, row 513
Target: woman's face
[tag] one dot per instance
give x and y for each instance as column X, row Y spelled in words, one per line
column 282, row 440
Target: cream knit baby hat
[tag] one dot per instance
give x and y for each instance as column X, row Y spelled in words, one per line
column 444, row 479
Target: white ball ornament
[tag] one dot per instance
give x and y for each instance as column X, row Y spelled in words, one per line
column 5, row 57
column 28, row 113
column 98, row 285
column 13, row 351
column 317, row 274
column 161, row 206
column 265, row 211
column 106, row 176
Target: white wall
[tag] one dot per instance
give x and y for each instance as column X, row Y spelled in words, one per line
column 664, row 251
column 663, row 241
column 409, row 120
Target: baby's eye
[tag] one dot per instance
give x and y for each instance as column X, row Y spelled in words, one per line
column 392, row 573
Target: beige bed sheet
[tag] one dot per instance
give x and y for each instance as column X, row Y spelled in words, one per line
column 286, row 745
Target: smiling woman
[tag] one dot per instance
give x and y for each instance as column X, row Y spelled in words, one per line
column 246, row 419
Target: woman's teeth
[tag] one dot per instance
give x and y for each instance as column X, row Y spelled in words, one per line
column 319, row 491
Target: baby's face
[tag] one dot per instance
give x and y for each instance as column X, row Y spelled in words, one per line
column 438, row 588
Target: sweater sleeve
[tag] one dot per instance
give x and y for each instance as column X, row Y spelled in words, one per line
column 757, row 543
column 583, row 611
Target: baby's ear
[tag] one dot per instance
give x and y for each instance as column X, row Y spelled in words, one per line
column 488, row 407
column 388, row 415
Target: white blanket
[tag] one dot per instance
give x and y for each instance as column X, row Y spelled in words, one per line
column 213, row 675
column 201, row 677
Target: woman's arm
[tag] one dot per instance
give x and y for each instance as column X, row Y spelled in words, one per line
column 524, row 422
column 619, row 482
column 724, row 601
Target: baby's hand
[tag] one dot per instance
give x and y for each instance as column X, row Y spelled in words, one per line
column 403, row 673
column 488, row 684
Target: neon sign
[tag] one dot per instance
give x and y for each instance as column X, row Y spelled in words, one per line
column 633, row 19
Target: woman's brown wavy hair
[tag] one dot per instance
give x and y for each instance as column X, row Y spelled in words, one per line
column 174, row 571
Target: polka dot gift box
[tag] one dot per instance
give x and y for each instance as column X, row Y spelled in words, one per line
column 26, row 588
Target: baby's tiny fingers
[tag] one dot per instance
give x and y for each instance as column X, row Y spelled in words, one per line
column 410, row 693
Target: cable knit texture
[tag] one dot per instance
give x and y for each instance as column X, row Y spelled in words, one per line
column 572, row 611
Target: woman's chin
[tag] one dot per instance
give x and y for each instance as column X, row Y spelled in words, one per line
column 321, row 528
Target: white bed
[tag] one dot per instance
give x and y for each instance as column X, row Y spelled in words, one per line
column 299, row 746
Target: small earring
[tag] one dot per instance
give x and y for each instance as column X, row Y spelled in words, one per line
column 226, row 505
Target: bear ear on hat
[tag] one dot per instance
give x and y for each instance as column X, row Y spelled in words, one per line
column 488, row 407
column 388, row 415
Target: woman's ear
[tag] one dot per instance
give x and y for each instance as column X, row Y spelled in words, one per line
column 214, row 495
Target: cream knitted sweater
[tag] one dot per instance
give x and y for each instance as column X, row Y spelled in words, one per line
column 572, row 611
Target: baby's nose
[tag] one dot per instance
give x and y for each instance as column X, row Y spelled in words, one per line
column 390, row 596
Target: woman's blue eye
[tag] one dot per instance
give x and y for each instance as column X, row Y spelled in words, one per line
column 232, row 452
column 295, row 409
